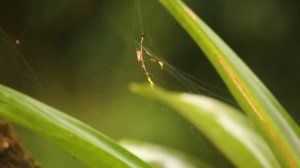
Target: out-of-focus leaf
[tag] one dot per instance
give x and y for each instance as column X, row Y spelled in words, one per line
column 276, row 126
column 227, row 128
column 82, row 141
column 161, row 156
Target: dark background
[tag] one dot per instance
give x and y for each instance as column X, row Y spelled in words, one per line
column 79, row 56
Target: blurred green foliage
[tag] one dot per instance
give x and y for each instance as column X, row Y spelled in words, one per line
column 83, row 54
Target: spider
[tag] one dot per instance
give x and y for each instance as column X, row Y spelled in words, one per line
column 140, row 57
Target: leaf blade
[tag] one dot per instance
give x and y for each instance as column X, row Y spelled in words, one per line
column 82, row 141
column 228, row 129
column 277, row 127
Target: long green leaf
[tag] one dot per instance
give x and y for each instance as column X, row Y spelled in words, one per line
column 161, row 156
column 82, row 141
column 227, row 128
column 280, row 131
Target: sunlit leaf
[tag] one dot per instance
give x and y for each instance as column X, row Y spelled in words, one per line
column 161, row 156
column 227, row 128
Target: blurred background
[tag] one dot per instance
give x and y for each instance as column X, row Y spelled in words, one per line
column 79, row 57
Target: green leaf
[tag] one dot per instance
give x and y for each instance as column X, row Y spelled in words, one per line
column 277, row 127
column 82, row 141
column 161, row 156
column 227, row 128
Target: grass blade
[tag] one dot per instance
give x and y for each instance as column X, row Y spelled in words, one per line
column 82, row 141
column 227, row 128
column 277, row 127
